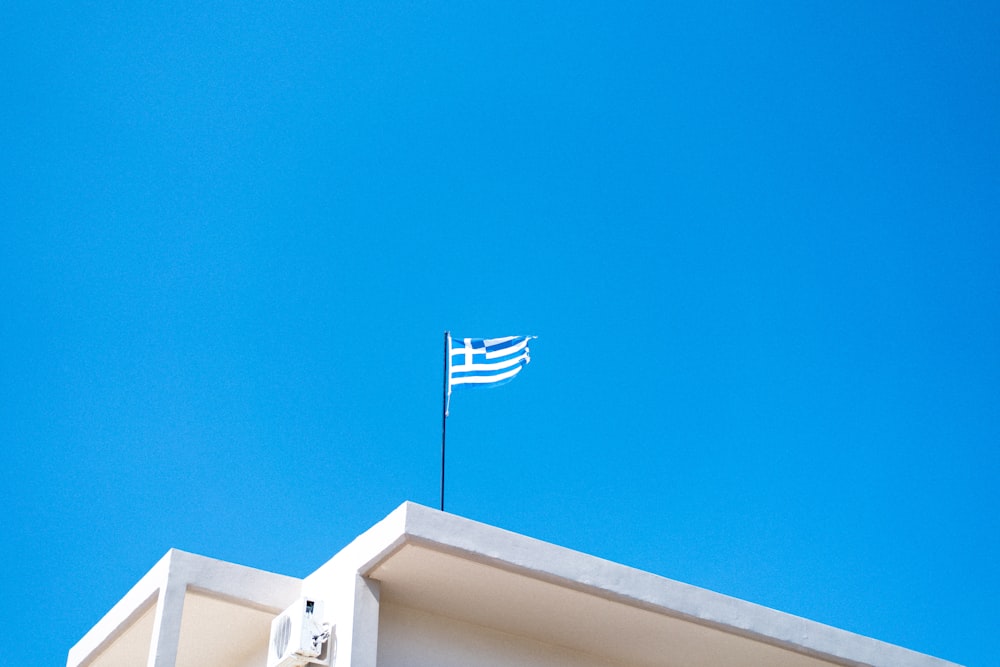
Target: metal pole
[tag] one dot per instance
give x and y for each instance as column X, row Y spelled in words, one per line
column 444, row 409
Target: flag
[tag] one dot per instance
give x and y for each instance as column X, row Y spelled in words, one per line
column 485, row 361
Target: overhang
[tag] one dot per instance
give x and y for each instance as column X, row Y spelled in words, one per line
column 469, row 571
column 189, row 611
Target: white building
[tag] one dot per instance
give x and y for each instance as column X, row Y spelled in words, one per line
column 423, row 588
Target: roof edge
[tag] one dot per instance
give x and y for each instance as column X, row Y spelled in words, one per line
column 116, row 620
column 250, row 586
column 431, row 528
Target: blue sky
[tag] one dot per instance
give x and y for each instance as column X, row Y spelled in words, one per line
column 758, row 243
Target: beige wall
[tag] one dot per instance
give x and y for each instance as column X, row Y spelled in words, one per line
column 415, row 638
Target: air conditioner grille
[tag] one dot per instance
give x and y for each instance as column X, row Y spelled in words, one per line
column 282, row 636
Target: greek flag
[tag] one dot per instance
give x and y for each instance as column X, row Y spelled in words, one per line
column 485, row 361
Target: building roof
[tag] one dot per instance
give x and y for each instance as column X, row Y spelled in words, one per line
column 423, row 559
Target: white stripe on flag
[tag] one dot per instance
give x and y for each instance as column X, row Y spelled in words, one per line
column 487, row 379
column 491, row 366
column 487, row 373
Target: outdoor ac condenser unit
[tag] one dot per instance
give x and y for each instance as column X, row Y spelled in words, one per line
column 300, row 637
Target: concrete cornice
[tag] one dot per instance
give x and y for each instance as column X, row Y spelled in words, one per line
column 165, row 586
column 417, row 525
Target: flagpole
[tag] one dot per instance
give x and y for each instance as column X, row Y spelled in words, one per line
column 444, row 409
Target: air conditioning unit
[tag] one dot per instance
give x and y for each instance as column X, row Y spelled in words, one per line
column 300, row 636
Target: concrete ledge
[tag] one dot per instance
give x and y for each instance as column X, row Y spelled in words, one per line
column 165, row 586
column 543, row 561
